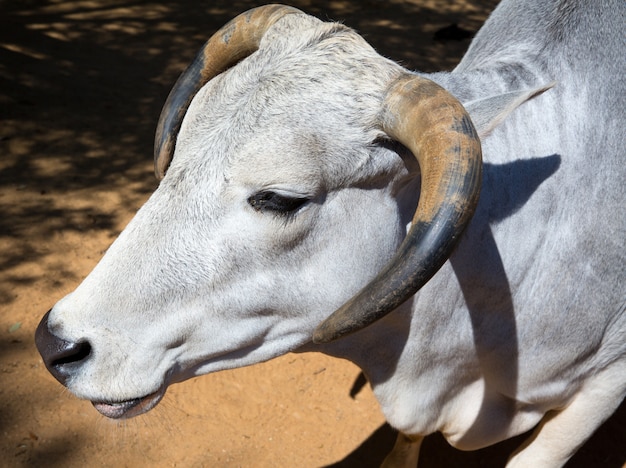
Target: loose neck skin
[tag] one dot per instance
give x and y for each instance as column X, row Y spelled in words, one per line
column 376, row 349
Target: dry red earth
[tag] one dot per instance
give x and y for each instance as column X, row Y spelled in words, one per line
column 81, row 86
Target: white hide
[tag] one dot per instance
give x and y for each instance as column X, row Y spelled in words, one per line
column 527, row 316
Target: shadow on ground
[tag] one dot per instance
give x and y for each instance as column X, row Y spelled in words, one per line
column 437, row 453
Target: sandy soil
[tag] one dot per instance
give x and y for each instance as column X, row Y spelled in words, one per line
column 81, row 86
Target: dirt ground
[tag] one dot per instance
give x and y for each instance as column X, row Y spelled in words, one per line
column 81, row 87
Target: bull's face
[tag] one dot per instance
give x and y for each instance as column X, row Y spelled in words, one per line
column 220, row 269
column 277, row 207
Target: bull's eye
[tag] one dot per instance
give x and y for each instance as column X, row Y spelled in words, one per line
column 272, row 201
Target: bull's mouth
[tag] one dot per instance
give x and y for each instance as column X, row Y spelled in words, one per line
column 129, row 408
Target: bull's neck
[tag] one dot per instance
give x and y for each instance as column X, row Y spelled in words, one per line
column 377, row 348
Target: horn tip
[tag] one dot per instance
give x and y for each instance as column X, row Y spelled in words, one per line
column 334, row 327
column 323, row 335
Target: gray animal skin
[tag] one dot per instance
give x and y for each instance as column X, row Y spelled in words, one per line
column 284, row 198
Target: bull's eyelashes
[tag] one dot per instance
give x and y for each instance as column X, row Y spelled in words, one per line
column 276, row 202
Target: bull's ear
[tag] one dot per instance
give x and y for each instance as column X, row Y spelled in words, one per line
column 490, row 112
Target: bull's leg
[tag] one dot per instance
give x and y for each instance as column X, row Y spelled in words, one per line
column 561, row 433
column 405, row 452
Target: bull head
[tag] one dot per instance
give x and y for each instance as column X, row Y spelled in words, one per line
column 417, row 113
column 414, row 111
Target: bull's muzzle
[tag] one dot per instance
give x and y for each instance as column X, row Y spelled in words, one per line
column 62, row 358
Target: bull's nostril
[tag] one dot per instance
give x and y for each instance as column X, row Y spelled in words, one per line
column 61, row 357
column 70, row 353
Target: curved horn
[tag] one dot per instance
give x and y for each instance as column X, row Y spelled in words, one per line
column 436, row 128
column 236, row 40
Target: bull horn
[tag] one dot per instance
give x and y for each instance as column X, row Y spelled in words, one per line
column 236, row 40
column 436, row 128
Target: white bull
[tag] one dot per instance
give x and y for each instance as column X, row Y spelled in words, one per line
column 295, row 158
